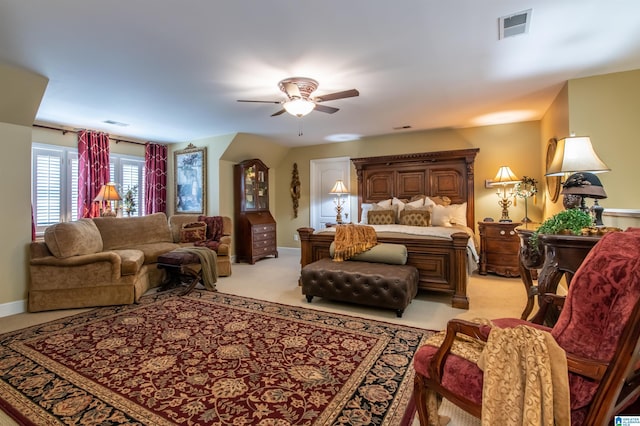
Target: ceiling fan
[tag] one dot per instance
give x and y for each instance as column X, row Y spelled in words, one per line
column 299, row 101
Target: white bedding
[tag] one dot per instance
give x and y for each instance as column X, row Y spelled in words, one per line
column 431, row 231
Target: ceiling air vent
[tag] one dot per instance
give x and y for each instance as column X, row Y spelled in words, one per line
column 516, row 24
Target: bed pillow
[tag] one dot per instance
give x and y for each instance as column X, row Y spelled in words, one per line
column 437, row 200
column 366, row 207
column 381, row 217
column 454, row 214
column 401, row 204
column 415, row 217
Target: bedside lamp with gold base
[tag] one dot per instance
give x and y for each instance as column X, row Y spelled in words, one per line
column 338, row 190
column 505, row 177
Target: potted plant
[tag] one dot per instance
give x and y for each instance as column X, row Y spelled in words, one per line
column 129, row 200
column 570, row 221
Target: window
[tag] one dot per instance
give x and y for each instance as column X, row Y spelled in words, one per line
column 128, row 173
column 55, row 183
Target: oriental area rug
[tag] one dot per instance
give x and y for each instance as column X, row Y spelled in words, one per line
column 208, row 359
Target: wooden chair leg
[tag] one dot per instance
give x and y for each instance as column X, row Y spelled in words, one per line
column 426, row 401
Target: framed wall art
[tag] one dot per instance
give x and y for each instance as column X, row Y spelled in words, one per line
column 553, row 182
column 190, row 180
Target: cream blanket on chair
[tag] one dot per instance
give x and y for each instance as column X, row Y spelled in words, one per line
column 525, row 379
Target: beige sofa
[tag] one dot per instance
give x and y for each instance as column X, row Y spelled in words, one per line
column 107, row 261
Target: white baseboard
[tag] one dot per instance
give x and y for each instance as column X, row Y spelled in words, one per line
column 12, row 308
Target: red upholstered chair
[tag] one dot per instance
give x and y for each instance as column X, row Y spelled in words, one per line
column 598, row 327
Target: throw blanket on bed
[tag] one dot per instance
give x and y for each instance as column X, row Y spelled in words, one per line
column 353, row 239
column 525, row 378
column 208, row 265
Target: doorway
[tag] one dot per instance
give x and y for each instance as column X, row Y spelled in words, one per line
column 323, row 174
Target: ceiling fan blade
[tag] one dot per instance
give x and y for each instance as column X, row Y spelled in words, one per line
column 282, row 111
column 327, row 109
column 261, row 102
column 292, row 89
column 338, row 95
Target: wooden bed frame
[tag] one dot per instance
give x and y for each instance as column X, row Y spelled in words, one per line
column 442, row 264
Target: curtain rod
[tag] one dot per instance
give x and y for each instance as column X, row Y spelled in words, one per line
column 65, row 131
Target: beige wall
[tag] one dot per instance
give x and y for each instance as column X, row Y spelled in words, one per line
column 510, row 144
column 22, row 92
column 606, row 108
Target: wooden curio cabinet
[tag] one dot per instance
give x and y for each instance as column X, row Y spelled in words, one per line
column 255, row 228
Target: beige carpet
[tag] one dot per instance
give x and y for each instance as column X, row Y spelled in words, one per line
column 276, row 280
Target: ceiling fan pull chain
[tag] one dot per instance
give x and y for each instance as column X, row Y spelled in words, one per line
column 300, row 128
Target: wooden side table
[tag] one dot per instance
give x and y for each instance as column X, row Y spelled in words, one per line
column 499, row 246
column 560, row 255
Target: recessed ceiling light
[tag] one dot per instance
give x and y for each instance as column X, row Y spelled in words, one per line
column 115, row 123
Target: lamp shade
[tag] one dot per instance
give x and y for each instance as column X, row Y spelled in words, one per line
column 108, row 192
column 575, row 154
column 339, row 188
column 299, row 107
column 505, row 177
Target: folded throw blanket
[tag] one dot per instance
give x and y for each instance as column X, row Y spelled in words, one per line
column 353, row 239
column 208, row 265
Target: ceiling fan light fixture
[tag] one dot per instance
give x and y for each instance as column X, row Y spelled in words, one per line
column 299, row 107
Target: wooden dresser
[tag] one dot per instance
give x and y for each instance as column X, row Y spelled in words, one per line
column 255, row 227
column 499, row 248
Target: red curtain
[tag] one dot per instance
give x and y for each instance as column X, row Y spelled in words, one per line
column 155, row 191
column 93, row 170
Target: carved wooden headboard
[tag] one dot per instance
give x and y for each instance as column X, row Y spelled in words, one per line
column 444, row 173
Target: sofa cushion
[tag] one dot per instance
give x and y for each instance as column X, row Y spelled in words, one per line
column 68, row 239
column 153, row 250
column 127, row 232
column 132, row 261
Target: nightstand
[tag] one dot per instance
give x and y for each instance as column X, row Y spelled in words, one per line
column 499, row 248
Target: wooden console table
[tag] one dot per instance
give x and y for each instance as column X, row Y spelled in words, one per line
column 561, row 255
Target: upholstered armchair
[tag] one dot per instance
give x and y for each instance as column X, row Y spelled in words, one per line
column 598, row 329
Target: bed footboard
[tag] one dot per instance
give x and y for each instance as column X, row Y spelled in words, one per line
column 442, row 264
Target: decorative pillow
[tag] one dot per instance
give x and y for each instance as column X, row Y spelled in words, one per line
column 418, row 197
column 455, row 214
column 392, row 254
column 381, row 217
column 193, row 232
column 415, row 217
column 366, row 207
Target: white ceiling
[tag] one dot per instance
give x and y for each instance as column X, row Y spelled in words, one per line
column 173, row 70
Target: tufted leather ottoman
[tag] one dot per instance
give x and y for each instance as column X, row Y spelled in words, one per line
column 364, row 283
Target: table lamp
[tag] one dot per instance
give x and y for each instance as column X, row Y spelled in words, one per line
column 338, row 190
column 505, row 177
column 108, row 193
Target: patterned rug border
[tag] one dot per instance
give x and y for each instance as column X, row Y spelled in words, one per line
column 391, row 416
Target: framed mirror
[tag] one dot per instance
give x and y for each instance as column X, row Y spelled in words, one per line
column 190, row 188
column 553, row 182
